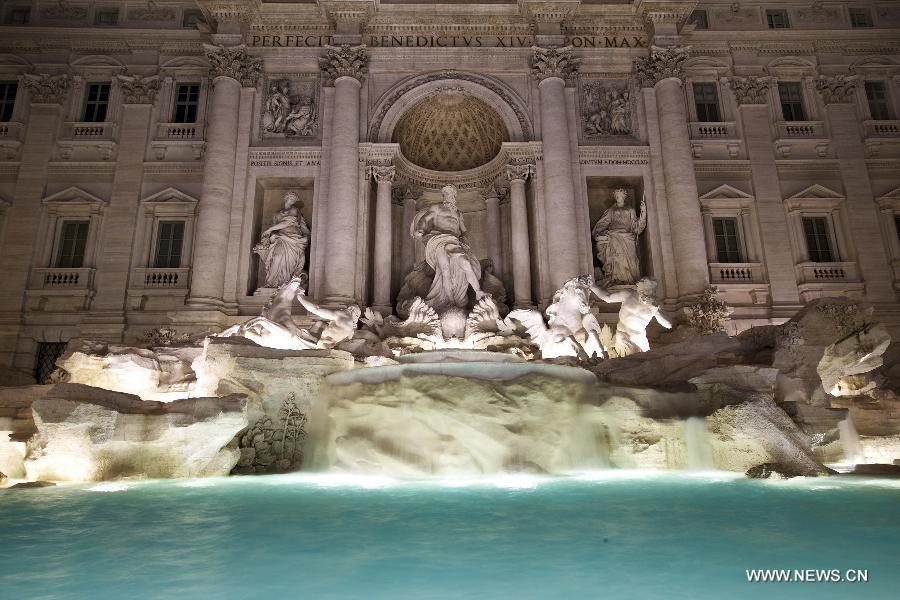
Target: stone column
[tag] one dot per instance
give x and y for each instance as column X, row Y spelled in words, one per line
column 552, row 67
column 521, row 252
column 408, row 245
column 838, row 94
column 46, row 94
column 381, row 261
column 114, row 262
column 662, row 70
column 344, row 67
column 231, row 68
column 752, row 94
column 492, row 209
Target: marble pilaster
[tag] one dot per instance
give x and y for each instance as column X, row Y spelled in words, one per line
column 521, row 251
column 552, row 67
column 232, row 68
column 344, row 66
column 492, row 214
column 381, row 260
column 662, row 70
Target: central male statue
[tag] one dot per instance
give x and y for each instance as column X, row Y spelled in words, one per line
column 441, row 228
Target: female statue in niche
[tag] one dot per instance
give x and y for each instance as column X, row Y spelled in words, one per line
column 616, row 236
column 282, row 247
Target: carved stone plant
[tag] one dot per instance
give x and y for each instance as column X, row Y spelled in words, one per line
column 709, row 313
column 274, row 446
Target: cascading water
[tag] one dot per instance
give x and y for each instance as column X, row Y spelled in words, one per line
column 699, row 450
column 850, row 441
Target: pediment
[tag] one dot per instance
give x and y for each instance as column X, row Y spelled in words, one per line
column 13, row 60
column 169, row 194
column 786, row 64
column 73, row 195
column 875, row 60
column 816, row 192
column 185, row 62
column 97, row 60
column 726, row 192
column 891, row 199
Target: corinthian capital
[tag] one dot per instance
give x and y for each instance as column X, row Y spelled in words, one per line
column 553, row 62
column 750, row 90
column 47, row 89
column 663, row 63
column 520, row 171
column 382, row 173
column 836, row 90
column 234, row 62
column 137, row 89
column 344, row 61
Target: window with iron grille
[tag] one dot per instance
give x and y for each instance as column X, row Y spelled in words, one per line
column 791, row 95
column 187, row 97
column 8, row 91
column 860, row 17
column 876, row 94
column 699, row 19
column 95, row 103
column 777, row 19
column 706, row 99
column 818, row 240
column 728, row 245
column 19, row 15
column 72, row 242
column 107, row 17
column 45, row 362
column 169, row 239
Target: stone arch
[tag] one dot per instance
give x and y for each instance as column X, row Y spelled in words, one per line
column 97, row 60
column 185, row 62
column 405, row 94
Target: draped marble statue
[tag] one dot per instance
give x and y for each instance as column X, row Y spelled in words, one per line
column 456, row 268
column 282, row 247
column 616, row 237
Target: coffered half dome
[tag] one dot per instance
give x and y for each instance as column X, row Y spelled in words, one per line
column 450, row 131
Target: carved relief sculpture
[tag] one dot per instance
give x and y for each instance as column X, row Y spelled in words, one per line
column 606, row 109
column 344, row 61
column 836, row 90
column 639, row 306
column 616, row 238
column 137, row 89
column 234, row 62
column 554, row 62
column 290, row 108
column 47, row 89
column 750, row 90
column 282, row 247
column 663, row 63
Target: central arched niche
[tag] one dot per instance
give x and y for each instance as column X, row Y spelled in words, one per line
column 450, row 130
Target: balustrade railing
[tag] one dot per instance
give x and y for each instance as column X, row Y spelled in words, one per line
column 61, row 279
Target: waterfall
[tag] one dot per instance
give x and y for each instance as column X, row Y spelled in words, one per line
column 850, row 441
column 699, row 450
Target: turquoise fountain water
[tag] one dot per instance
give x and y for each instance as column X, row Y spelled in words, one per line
column 609, row 534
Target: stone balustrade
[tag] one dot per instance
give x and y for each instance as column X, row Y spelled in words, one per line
column 61, row 279
column 179, row 131
column 813, row 272
column 89, row 131
column 736, row 273
column 876, row 129
column 801, row 129
column 12, row 131
column 707, row 130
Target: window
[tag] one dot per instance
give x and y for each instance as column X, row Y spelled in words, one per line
column 72, row 241
column 191, row 19
column 777, row 19
column 8, row 91
column 186, row 99
column 47, row 354
column 860, row 17
column 791, row 95
column 706, row 99
column 897, row 226
column 700, row 19
column 818, row 242
column 95, row 103
column 106, row 17
column 728, row 248
column 169, row 238
column 18, row 16
column 876, row 94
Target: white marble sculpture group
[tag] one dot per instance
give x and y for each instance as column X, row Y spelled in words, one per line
column 451, row 299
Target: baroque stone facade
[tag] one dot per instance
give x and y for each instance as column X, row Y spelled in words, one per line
column 141, row 160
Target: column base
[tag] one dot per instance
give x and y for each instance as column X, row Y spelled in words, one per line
column 206, row 302
column 338, row 301
column 386, row 310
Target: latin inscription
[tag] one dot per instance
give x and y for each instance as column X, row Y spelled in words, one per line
column 448, row 41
